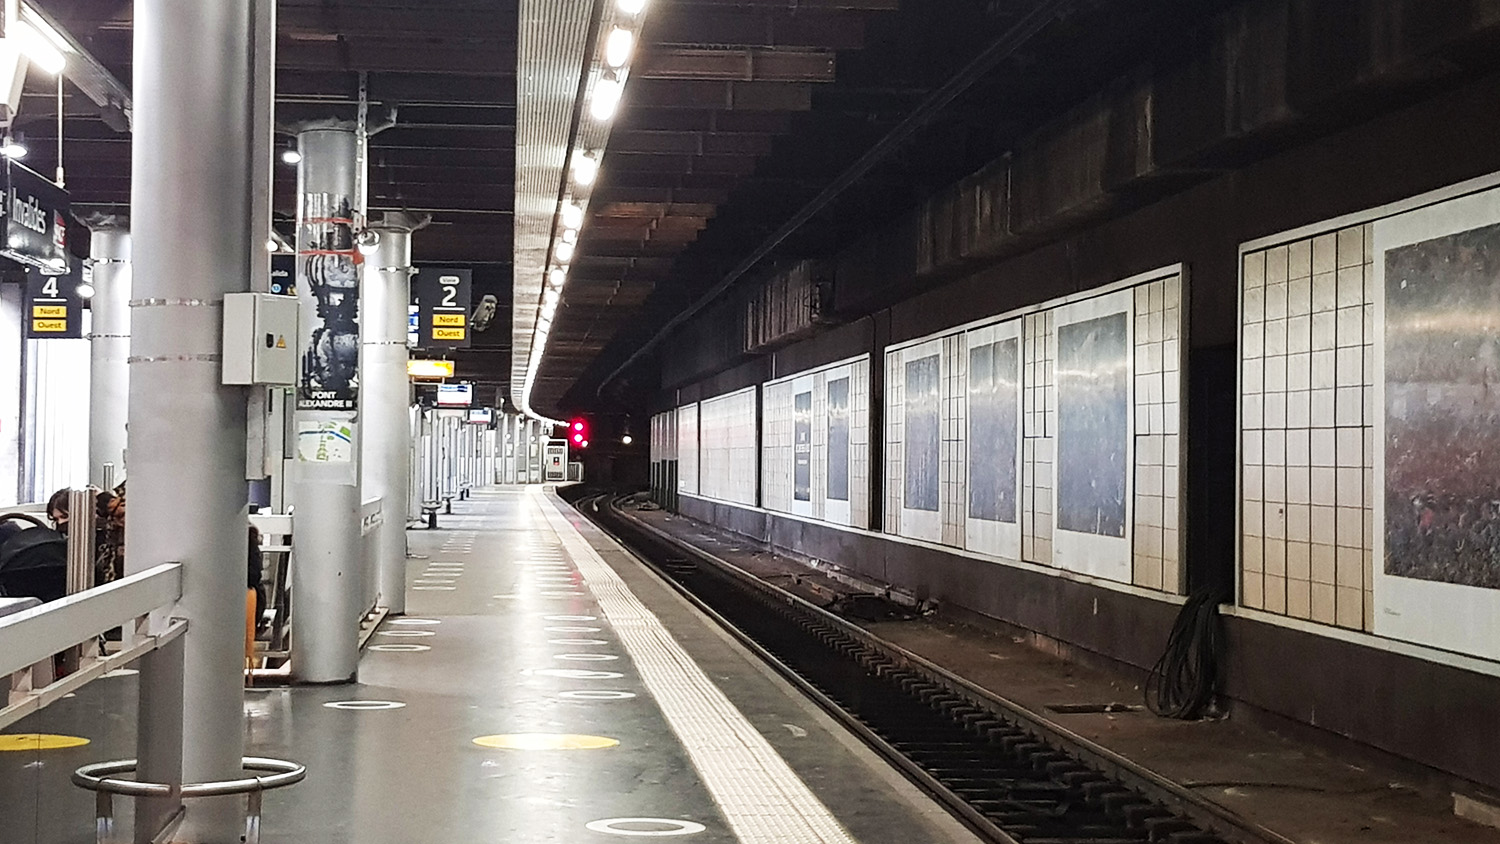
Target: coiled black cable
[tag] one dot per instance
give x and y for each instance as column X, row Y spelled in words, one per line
column 1185, row 681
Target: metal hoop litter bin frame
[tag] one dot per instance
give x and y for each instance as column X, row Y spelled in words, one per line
column 98, row 778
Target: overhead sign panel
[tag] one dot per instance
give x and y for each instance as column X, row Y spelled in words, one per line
column 455, row 395
column 429, row 368
column 54, row 310
column 443, row 300
column 35, row 211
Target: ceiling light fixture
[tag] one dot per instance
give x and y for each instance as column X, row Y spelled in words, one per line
column 85, row 290
column 618, row 46
column 570, row 236
column 585, row 168
column 606, row 99
column 13, row 149
column 572, row 216
column 564, row 252
column 557, row 277
column 291, row 156
column 631, row 7
column 35, row 46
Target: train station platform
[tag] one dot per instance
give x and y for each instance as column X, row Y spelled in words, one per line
column 1292, row 785
column 544, row 686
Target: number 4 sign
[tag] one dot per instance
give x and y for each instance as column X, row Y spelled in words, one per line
column 443, row 300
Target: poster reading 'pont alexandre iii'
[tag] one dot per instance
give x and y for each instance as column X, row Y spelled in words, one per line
column 328, row 267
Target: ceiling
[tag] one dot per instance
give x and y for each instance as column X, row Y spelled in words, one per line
column 737, row 113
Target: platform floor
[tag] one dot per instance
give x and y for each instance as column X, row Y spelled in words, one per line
column 1310, row 793
column 608, row 695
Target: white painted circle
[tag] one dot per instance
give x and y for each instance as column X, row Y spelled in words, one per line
column 577, row 642
column 595, row 694
column 570, row 618
column 410, row 634
column 401, row 648
column 433, row 588
column 365, row 705
column 578, row 674
column 613, row 826
column 588, row 657
column 416, row 622
column 574, row 629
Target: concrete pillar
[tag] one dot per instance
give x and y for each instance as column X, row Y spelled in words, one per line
column 327, row 569
column 109, row 349
column 385, row 420
column 190, row 184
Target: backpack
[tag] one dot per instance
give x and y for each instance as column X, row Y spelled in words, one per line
column 34, row 564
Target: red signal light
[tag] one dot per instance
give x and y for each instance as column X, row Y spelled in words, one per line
column 578, row 425
column 578, row 438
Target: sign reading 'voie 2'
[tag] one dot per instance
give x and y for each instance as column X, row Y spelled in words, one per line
column 35, row 211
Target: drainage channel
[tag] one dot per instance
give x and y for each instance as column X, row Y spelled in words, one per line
column 1011, row 775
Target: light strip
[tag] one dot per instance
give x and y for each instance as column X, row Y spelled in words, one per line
column 608, row 71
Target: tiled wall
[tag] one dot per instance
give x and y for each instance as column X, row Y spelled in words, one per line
column 1158, row 386
column 955, row 495
column 776, row 446
column 1155, row 305
column 777, row 408
column 1039, row 432
column 1307, row 420
column 687, row 449
column 727, row 447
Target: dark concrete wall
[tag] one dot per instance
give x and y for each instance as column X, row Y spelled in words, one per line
column 1282, row 153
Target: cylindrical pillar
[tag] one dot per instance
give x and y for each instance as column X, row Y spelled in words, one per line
column 190, row 176
column 326, row 570
column 385, row 419
column 109, row 351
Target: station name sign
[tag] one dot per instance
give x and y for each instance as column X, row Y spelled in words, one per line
column 444, row 297
column 35, row 212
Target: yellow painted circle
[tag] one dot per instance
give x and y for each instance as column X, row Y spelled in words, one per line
column 19, row 742
column 545, row 741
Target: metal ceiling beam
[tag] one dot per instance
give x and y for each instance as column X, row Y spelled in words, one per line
column 801, row 65
column 786, row 26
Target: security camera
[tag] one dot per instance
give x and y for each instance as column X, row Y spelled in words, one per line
column 484, row 313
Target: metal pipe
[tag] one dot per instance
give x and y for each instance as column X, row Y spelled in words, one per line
column 109, row 349
column 998, row 50
column 190, row 216
column 386, row 441
column 326, row 567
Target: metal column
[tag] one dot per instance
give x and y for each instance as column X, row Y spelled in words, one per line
column 190, row 188
column 386, row 421
column 109, row 350
column 327, row 564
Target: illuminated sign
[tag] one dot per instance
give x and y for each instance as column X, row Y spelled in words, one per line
column 429, row 368
column 443, row 300
column 455, row 395
column 481, row 416
column 53, row 307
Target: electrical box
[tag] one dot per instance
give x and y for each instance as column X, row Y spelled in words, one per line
column 260, row 339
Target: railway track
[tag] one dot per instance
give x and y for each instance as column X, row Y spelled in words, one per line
column 1012, row 775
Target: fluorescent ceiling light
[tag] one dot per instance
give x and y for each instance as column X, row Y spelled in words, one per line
column 631, row 7
column 572, row 216
column 35, row 46
column 618, row 46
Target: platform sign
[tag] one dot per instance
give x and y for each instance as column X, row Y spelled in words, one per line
column 35, row 211
column 54, row 310
column 443, row 300
column 455, row 395
column 481, row 415
column 284, row 274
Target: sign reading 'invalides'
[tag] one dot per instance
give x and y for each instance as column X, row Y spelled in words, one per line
column 35, row 212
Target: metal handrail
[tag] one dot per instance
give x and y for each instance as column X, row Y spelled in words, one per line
column 98, row 777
